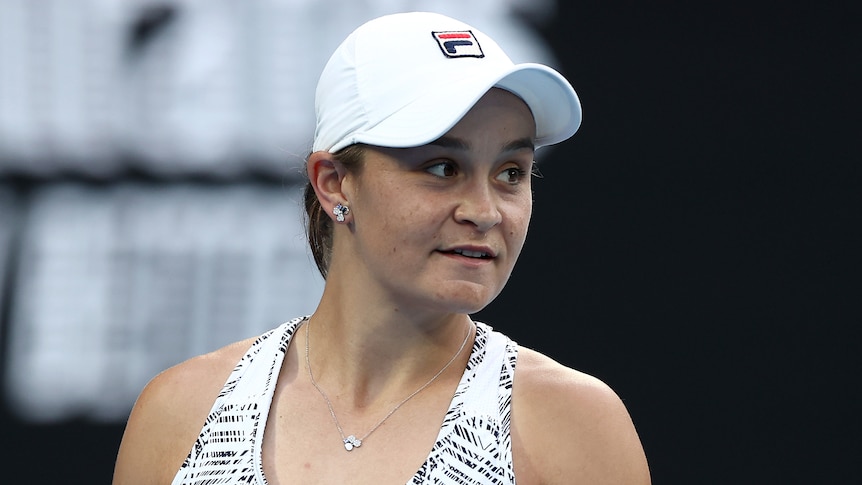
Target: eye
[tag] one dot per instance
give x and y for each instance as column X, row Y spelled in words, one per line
column 512, row 175
column 443, row 169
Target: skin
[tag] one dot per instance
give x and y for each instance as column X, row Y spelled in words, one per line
column 412, row 211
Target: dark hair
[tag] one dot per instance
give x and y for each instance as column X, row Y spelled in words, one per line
column 318, row 225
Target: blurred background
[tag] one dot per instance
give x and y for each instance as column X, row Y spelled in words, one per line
column 695, row 245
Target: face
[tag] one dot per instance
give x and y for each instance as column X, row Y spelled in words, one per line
column 440, row 226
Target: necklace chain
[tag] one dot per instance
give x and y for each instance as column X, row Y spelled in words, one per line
column 351, row 442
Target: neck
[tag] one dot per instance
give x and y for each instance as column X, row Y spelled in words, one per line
column 359, row 409
column 373, row 356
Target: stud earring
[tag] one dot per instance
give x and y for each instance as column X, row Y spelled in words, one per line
column 340, row 211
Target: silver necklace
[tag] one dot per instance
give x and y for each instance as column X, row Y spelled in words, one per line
column 351, row 442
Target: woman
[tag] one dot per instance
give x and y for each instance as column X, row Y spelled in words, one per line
column 419, row 198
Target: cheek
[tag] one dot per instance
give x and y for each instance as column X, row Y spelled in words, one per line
column 519, row 217
column 519, row 234
column 519, row 223
column 405, row 224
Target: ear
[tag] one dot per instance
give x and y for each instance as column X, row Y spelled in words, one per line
column 326, row 176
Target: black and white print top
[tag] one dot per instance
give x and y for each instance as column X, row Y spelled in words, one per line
column 473, row 446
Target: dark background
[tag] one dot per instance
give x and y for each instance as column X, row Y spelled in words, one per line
column 693, row 245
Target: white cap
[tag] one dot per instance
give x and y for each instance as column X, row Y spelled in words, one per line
column 404, row 80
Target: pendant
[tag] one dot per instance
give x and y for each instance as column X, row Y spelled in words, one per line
column 351, row 442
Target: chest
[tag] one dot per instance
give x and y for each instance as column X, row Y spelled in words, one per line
column 302, row 443
column 453, row 429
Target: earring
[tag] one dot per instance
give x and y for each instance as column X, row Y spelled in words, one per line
column 340, row 211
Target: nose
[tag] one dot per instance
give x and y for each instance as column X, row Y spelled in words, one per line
column 478, row 206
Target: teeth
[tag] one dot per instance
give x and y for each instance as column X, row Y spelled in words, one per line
column 471, row 254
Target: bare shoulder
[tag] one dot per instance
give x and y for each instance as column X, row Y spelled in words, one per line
column 168, row 416
column 568, row 426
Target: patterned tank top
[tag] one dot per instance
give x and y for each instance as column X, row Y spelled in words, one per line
column 473, row 446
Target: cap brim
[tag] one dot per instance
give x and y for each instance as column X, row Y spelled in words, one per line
column 552, row 100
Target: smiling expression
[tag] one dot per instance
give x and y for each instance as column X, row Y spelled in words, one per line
column 440, row 226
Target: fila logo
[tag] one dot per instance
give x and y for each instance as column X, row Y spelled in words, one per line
column 458, row 44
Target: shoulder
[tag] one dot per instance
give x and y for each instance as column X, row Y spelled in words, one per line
column 568, row 424
column 169, row 413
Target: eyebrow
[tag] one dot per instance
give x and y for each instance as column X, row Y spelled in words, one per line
column 460, row 144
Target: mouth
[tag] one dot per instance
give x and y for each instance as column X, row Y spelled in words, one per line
column 471, row 253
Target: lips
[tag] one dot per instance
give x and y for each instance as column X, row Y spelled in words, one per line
column 472, row 254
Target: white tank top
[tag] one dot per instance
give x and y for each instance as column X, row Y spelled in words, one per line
column 473, row 446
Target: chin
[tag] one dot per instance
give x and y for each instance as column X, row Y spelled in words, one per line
column 466, row 299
